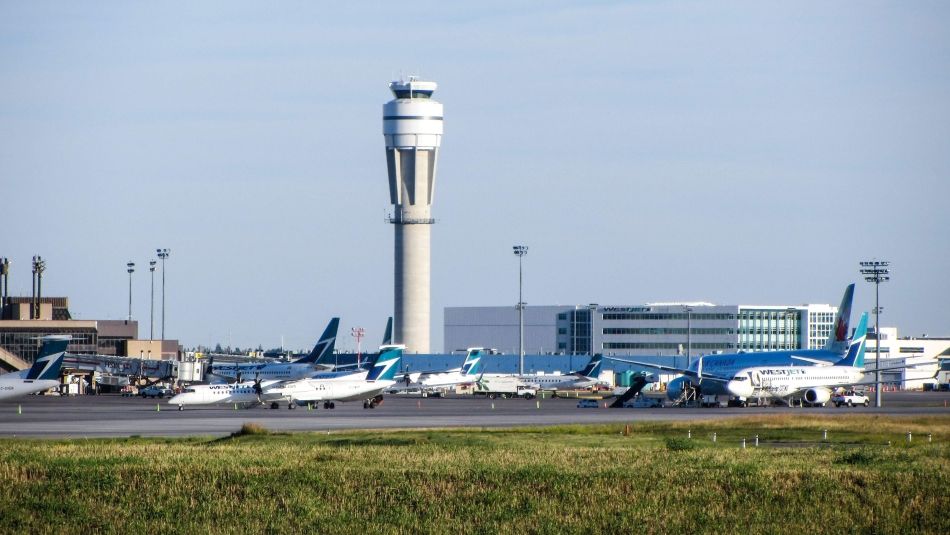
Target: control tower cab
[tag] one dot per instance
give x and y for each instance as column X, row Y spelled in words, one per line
column 412, row 128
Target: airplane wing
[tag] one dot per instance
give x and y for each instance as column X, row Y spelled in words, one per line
column 681, row 371
column 816, row 362
column 697, row 374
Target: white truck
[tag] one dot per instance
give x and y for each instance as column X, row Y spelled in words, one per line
column 850, row 398
column 505, row 387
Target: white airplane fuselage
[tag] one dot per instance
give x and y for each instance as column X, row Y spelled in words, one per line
column 333, row 389
column 785, row 381
column 15, row 385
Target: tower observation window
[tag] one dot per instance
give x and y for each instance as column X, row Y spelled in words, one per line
column 407, row 93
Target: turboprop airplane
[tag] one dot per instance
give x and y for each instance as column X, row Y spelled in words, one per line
column 368, row 389
column 814, row 384
column 43, row 375
column 299, row 369
column 343, row 387
column 469, row 372
column 587, row 377
column 725, row 365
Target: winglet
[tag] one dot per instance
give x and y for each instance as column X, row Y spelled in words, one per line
column 838, row 339
column 324, row 347
column 50, row 360
column 855, row 356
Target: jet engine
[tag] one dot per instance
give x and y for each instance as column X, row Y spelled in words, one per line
column 817, row 396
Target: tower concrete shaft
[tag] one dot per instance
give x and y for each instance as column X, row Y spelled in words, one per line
column 412, row 127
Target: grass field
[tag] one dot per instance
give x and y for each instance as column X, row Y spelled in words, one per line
column 576, row 479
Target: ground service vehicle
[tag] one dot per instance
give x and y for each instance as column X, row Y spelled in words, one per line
column 504, row 387
column 850, row 398
column 643, row 402
column 155, row 391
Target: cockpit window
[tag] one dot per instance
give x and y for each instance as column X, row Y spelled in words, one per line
column 740, row 378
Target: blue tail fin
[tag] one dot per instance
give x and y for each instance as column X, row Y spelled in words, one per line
column 838, row 339
column 386, row 364
column 473, row 362
column 324, row 347
column 855, row 356
column 50, row 360
column 593, row 367
column 388, row 335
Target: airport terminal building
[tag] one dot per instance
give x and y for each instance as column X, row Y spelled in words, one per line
column 663, row 329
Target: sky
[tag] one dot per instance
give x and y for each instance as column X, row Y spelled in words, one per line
column 732, row 152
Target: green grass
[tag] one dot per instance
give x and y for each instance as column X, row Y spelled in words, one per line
column 568, row 479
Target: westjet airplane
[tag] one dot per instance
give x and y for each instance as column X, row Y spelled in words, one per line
column 585, row 378
column 298, row 369
column 469, row 372
column 726, row 365
column 355, row 387
column 348, row 387
column 814, row 384
column 43, row 375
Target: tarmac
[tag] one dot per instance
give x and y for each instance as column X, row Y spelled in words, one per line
column 116, row 416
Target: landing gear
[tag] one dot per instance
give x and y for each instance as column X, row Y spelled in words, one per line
column 291, row 406
column 181, row 407
column 274, row 405
column 373, row 403
column 328, row 405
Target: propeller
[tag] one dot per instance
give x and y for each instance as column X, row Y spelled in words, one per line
column 480, row 384
column 407, row 377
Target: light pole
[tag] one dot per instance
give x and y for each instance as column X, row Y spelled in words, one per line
column 689, row 331
column 4, row 283
column 876, row 271
column 131, row 269
column 39, row 266
column 358, row 333
column 151, row 315
column 592, row 308
column 520, row 251
column 163, row 254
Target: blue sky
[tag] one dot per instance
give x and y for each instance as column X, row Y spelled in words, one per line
column 733, row 152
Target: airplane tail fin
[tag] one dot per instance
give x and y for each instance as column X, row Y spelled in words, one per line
column 387, row 362
column 50, row 360
column 473, row 362
column 324, row 347
column 838, row 339
column 592, row 369
column 855, row 356
column 388, row 335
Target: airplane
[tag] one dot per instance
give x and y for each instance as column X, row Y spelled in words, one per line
column 43, row 375
column 585, row 378
column 469, row 372
column 298, row 369
column 340, row 387
column 726, row 365
column 813, row 383
column 355, row 387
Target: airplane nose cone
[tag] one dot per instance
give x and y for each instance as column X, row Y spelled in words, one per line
column 674, row 389
column 739, row 388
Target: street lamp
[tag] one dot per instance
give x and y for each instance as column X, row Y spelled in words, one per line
column 151, row 314
column 131, row 269
column 520, row 251
column 163, row 254
column 876, row 271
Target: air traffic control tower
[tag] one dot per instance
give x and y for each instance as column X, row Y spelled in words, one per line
column 412, row 126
